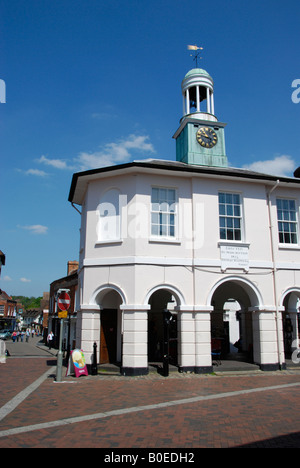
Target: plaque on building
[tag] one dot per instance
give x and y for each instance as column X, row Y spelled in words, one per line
column 234, row 256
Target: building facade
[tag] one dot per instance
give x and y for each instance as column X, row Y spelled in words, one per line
column 11, row 312
column 190, row 236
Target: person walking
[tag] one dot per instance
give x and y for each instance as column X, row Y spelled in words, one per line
column 14, row 335
column 27, row 335
column 50, row 339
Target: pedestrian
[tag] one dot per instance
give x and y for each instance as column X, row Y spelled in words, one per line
column 14, row 335
column 22, row 336
column 32, row 332
column 27, row 335
column 50, row 339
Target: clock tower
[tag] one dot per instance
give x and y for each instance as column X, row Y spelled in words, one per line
column 200, row 138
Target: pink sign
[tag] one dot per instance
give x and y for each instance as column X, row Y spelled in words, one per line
column 78, row 361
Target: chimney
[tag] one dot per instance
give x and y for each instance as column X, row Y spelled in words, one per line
column 72, row 267
column 297, row 173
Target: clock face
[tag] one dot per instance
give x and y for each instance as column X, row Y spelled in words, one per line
column 206, row 137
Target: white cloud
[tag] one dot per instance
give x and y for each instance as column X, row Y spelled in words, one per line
column 36, row 172
column 25, row 280
column 57, row 163
column 103, row 115
column 108, row 155
column 35, row 228
column 281, row 166
column 6, row 278
column 108, row 111
column 113, row 153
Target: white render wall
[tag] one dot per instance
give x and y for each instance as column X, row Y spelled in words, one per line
column 136, row 265
column 195, row 196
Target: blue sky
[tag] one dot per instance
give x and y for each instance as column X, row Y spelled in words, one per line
column 94, row 82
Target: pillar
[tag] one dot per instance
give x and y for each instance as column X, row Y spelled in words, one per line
column 194, row 339
column 203, row 359
column 135, row 340
column 265, row 340
column 208, row 100
column 187, row 101
column 212, row 103
column 198, row 98
column 88, row 330
column 186, row 338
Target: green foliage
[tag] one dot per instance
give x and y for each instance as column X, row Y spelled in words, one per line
column 28, row 302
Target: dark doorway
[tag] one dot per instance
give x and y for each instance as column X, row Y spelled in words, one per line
column 290, row 323
column 231, row 322
column 108, row 337
column 160, row 301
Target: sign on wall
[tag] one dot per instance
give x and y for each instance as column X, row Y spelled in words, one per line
column 233, row 256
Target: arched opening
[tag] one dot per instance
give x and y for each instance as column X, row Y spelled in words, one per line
column 110, row 348
column 231, row 319
column 290, row 321
column 160, row 300
column 196, row 97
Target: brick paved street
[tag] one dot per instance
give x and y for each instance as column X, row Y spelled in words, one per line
column 253, row 409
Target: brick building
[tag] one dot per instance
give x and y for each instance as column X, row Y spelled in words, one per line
column 10, row 310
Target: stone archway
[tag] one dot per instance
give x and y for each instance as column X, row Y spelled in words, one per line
column 233, row 300
column 290, row 320
column 109, row 298
column 160, row 300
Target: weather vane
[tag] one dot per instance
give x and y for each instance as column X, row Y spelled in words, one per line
column 197, row 53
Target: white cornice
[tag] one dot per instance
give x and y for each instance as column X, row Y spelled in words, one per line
column 185, row 262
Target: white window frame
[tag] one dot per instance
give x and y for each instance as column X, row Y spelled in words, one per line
column 161, row 216
column 287, row 221
column 232, row 217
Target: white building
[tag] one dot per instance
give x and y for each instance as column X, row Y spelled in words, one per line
column 190, row 236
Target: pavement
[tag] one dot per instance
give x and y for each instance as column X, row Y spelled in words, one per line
column 183, row 412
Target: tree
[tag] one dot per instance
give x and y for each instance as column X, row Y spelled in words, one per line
column 29, row 302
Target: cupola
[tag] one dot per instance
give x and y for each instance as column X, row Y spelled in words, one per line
column 200, row 139
column 198, row 95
